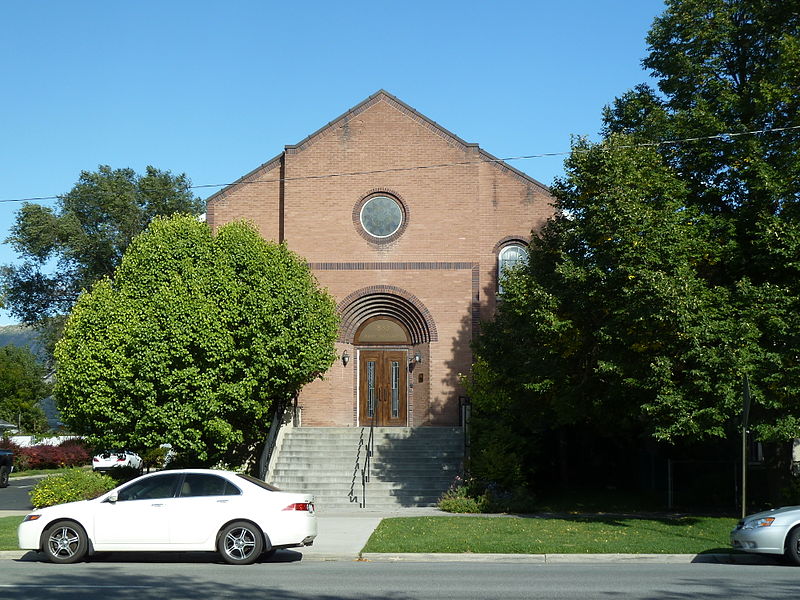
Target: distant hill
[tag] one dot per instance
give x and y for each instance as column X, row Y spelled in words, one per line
column 19, row 335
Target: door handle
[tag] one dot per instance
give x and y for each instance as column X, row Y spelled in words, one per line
column 222, row 501
column 157, row 504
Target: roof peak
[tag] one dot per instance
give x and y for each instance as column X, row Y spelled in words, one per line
column 383, row 96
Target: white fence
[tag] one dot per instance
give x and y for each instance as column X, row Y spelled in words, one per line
column 25, row 441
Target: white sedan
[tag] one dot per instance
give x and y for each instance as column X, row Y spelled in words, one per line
column 111, row 460
column 239, row 516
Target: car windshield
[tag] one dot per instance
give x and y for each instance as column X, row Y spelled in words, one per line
column 259, row 483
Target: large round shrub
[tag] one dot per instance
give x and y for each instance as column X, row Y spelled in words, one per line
column 191, row 343
column 69, row 486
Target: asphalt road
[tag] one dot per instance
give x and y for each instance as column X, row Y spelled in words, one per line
column 201, row 576
column 15, row 496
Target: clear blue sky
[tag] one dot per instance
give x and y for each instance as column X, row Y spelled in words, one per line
column 213, row 89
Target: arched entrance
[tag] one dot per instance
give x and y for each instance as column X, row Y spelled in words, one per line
column 382, row 343
column 386, row 326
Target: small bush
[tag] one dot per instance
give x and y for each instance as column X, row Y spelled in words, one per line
column 70, row 453
column 69, row 486
column 459, row 501
column 155, row 458
column 473, row 496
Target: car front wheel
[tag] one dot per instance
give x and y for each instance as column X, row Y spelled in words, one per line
column 4, row 470
column 793, row 546
column 65, row 542
column 240, row 543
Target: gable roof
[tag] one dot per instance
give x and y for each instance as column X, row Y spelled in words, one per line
column 379, row 96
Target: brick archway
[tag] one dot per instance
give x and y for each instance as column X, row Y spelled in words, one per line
column 390, row 301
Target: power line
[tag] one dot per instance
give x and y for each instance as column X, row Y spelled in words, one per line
column 454, row 164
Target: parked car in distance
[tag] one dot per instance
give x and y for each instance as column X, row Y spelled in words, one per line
column 110, row 460
column 775, row 531
column 6, row 466
column 239, row 516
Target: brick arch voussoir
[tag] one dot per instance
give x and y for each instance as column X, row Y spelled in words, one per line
column 389, row 301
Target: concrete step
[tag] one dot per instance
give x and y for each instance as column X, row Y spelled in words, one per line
column 409, row 467
column 389, row 497
column 321, row 453
column 377, row 470
column 333, row 481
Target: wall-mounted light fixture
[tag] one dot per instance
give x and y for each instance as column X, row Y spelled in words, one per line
column 417, row 357
column 345, row 358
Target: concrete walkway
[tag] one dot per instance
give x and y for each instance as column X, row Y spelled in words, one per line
column 342, row 534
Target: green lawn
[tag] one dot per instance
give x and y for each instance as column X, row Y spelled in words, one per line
column 30, row 472
column 8, row 532
column 591, row 534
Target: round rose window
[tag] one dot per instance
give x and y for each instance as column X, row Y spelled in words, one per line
column 381, row 216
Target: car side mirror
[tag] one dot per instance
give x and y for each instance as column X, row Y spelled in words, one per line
column 112, row 498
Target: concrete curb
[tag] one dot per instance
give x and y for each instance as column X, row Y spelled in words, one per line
column 726, row 559
column 574, row 558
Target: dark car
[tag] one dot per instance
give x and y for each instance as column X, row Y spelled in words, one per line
column 6, row 466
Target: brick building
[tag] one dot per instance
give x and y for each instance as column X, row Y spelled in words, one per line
column 406, row 225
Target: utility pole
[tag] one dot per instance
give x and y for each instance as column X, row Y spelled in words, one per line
column 745, row 419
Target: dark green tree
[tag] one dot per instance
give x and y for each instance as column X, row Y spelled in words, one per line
column 66, row 249
column 192, row 341
column 22, row 387
column 723, row 66
column 671, row 268
column 733, row 66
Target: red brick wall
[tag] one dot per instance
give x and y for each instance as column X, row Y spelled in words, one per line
column 445, row 257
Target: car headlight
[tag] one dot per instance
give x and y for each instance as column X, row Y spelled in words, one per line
column 756, row 523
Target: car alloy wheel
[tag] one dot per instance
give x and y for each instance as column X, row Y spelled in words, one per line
column 240, row 543
column 65, row 542
column 793, row 546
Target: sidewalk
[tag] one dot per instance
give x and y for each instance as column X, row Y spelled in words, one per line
column 342, row 534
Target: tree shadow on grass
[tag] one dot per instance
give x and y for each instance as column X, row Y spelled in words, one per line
column 618, row 520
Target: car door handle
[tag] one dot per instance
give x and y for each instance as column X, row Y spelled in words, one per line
column 222, row 501
column 156, row 505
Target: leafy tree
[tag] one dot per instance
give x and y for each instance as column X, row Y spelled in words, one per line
column 734, row 66
column 85, row 237
column 728, row 66
column 671, row 269
column 22, row 386
column 192, row 341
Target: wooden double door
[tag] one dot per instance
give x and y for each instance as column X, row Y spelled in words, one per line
column 383, row 388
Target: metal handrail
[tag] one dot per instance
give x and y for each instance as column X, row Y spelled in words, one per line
column 368, row 457
column 356, row 468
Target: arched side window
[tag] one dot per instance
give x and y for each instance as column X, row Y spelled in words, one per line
column 509, row 257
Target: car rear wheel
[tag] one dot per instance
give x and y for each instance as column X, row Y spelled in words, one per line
column 240, row 543
column 4, row 470
column 793, row 546
column 65, row 542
